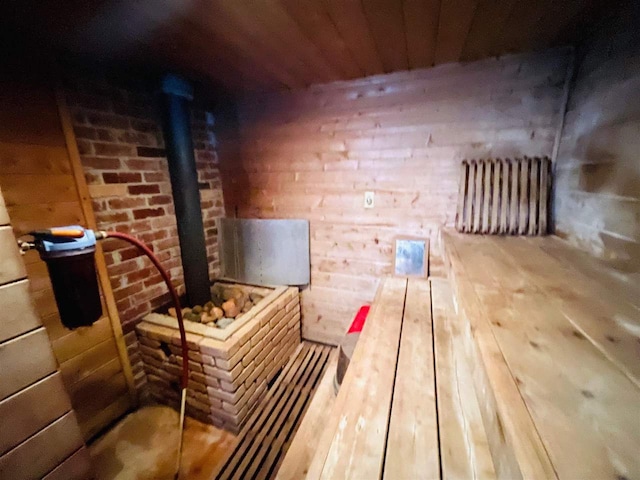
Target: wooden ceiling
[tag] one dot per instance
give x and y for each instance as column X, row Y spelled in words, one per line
column 279, row 44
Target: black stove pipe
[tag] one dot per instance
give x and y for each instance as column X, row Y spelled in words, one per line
column 176, row 124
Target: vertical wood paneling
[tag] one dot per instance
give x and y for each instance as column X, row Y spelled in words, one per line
column 462, row 195
column 504, row 211
column 313, row 153
column 40, row 195
column 496, row 202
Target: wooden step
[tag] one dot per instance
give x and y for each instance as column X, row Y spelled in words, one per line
column 263, row 441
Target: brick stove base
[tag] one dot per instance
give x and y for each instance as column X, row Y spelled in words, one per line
column 227, row 377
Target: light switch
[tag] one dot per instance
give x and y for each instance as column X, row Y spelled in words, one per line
column 368, row 199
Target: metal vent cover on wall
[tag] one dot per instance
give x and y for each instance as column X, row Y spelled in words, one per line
column 504, row 196
column 264, row 252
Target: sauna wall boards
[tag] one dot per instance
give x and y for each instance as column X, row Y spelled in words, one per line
column 35, row 408
column 42, row 185
column 313, row 154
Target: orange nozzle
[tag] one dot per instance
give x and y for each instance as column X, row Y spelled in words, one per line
column 67, row 232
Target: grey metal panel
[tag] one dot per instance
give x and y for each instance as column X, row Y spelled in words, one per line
column 264, row 252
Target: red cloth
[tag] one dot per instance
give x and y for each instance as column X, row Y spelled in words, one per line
column 360, row 318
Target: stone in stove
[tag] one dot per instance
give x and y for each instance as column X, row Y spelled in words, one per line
column 224, row 322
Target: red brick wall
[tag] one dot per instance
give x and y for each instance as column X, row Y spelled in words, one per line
column 122, row 149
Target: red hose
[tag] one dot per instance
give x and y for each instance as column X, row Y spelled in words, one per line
column 174, row 295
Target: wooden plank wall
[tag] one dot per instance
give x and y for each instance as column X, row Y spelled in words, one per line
column 597, row 194
column 28, row 373
column 313, row 153
column 40, row 191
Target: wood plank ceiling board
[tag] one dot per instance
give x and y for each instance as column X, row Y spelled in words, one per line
column 386, row 22
column 349, row 19
column 276, row 30
column 515, row 35
column 276, row 45
column 487, row 25
column 241, row 36
column 421, row 31
column 456, row 17
column 555, row 26
column 314, row 20
column 187, row 42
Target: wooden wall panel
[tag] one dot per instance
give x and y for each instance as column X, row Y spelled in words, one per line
column 39, row 189
column 313, row 153
column 21, row 315
column 28, row 411
column 35, row 408
column 44, row 451
column 11, row 266
column 24, row 360
column 73, row 468
column 597, row 194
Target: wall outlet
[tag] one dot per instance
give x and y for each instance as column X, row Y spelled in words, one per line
column 369, row 199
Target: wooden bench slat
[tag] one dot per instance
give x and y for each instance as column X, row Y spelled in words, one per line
column 581, row 401
column 551, row 326
column 516, row 447
column 289, row 416
column 464, row 449
column 412, row 445
column 256, row 422
column 263, row 442
column 299, row 455
column 266, row 437
column 599, row 313
column 353, row 444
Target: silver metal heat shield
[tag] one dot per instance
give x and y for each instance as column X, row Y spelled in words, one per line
column 264, row 252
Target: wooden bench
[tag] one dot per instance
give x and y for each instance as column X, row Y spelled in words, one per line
column 555, row 357
column 384, row 421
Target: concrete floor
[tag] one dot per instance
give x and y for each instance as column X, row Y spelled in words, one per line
column 143, row 446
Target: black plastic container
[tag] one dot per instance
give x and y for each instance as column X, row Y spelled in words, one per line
column 75, row 286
